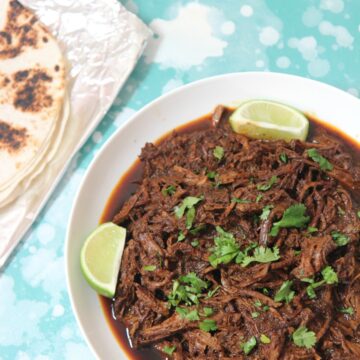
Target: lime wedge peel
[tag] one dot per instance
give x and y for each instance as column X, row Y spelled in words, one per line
column 100, row 257
column 264, row 119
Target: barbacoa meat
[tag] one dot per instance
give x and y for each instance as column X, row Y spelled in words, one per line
column 161, row 246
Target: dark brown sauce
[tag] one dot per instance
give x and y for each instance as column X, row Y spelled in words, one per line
column 128, row 184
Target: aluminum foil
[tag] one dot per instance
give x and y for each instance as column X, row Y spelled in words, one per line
column 102, row 42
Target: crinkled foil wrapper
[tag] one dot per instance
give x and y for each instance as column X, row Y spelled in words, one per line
column 102, row 42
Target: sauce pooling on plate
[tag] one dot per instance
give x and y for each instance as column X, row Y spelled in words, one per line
column 251, row 205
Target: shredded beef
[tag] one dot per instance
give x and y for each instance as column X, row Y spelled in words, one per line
column 184, row 165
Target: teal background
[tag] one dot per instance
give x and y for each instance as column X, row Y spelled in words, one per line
column 317, row 39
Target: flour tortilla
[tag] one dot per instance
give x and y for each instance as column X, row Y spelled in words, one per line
column 32, row 95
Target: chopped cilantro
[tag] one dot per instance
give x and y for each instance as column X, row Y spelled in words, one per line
column 294, row 216
column 302, row 337
column 265, row 291
column 266, row 212
column 181, row 236
column 297, row 252
column 312, row 229
column 266, row 308
column 349, row 310
column 197, row 229
column 213, row 292
column 170, row 190
column 190, row 216
column 340, row 238
column 262, row 255
column 249, row 345
column 195, row 243
column 329, row 277
column 168, row 349
column 208, row 325
column 358, row 214
column 187, row 314
column 240, row 201
column 187, row 203
column 187, row 289
column 208, row 311
column 258, row 303
column 323, row 162
column 285, row 293
column 218, row 152
column 259, row 197
column 284, row 158
column 226, row 248
column 149, row 267
column 265, row 339
column 264, row 187
column 255, row 314
column 212, row 175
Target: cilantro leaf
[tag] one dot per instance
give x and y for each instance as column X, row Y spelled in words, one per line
column 249, row 345
column 266, row 212
column 170, row 190
column 265, row 339
column 302, row 337
column 283, row 157
column 358, row 214
column 323, row 162
column 294, row 216
column 195, row 243
column 181, row 236
column 168, row 349
column 285, row 293
column 255, row 314
column 312, row 229
column 208, row 325
column 226, row 248
column 208, row 311
column 240, row 201
column 187, row 289
column 262, row 255
column 187, row 203
column 149, row 267
column 259, row 197
column 212, row 175
column 187, row 314
column 218, row 152
column 329, row 275
column 213, row 292
column 340, row 238
column 349, row 311
column 264, row 187
column 190, row 216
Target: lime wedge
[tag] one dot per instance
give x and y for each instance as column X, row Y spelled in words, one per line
column 100, row 257
column 262, row 119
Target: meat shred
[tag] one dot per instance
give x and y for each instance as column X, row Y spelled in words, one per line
column 242, row 297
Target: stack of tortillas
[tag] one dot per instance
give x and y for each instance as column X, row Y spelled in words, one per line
column 33, row 105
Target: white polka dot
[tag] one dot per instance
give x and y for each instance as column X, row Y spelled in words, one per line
column 45, row 233
column 353, row 91
column 228, row 28
column 269, row 36
column 283, row 62
column 97, row 137
column 318, row 68
column 246, row 10
column 58, row 310
column 335, row 6
column 312, row 17
column 260, row 63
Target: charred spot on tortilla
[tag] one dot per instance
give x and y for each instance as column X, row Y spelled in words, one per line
column 31, row 90
column 20, row 31
column 12, row 138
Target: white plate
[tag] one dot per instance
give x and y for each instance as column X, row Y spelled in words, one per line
column 162, row 115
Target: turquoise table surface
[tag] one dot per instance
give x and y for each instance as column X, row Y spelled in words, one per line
column 319, row 39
